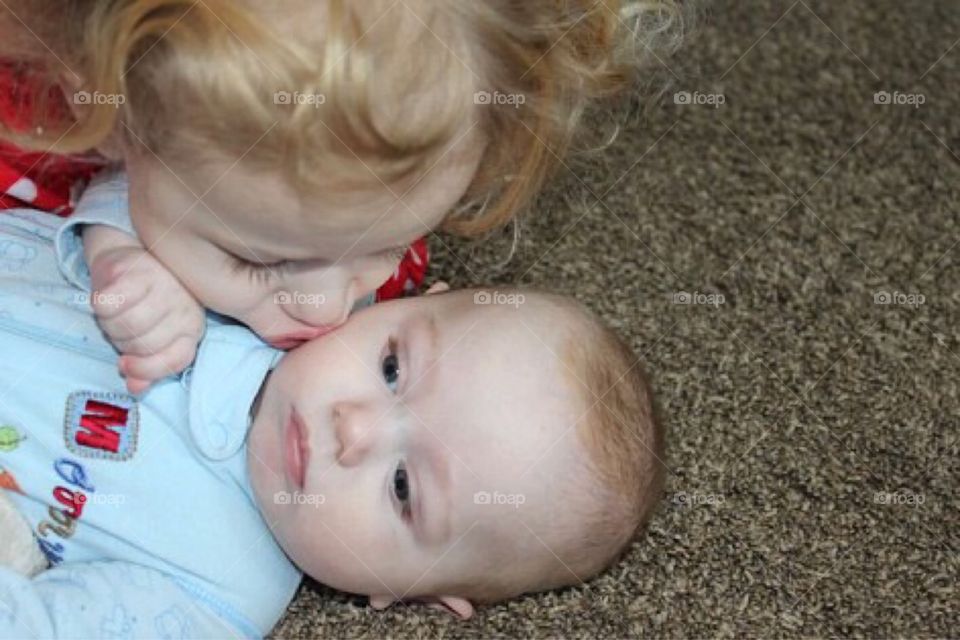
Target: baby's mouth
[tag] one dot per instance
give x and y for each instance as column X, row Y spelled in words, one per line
column 296, row 449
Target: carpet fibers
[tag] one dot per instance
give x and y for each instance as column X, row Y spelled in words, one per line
column 779, row 245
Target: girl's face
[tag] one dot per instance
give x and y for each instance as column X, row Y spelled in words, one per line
column 248, row 247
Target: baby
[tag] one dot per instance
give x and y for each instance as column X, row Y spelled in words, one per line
column 458, row 448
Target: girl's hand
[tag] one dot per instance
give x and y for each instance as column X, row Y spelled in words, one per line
column 146, row 313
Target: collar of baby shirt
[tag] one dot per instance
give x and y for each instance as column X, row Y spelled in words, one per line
column 105, row 202
column 223, row 383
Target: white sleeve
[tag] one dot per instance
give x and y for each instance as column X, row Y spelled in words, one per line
column 105, row 201
column 110, row 600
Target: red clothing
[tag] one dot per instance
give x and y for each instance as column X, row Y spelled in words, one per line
column 45, row 181
column 409, row 274
column 52, row 182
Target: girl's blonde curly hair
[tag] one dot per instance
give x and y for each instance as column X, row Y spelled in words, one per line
column 382, row 86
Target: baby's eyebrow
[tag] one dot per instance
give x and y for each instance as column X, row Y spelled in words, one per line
column 434, row 504
column 421, row 336
column 433, row 473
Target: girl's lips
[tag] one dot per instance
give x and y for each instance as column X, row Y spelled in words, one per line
column 297, row 449
column 296, row 338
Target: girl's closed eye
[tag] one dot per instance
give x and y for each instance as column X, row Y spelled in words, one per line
column 258, row 272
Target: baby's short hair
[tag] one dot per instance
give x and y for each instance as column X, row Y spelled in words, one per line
column 622, row 442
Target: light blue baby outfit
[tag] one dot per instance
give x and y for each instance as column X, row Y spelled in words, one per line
column 143, row 505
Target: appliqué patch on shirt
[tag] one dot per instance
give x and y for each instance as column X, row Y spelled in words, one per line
column 9, row 482
column 102, row 424
column 10, row 438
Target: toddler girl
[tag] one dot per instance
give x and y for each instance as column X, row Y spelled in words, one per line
column 281, row 156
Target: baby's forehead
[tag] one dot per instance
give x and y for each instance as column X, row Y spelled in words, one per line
column 515, row 309
column 519, row 330
column 506, row 364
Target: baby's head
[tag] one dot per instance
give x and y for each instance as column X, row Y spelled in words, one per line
column 282, row 153
column 456, row 448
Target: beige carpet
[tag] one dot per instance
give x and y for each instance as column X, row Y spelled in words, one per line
column 813, row 432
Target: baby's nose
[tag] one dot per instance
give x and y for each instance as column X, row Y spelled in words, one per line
column 355, row 427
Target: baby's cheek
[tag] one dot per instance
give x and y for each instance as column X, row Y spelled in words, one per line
column 343, row 551
column 261, row 461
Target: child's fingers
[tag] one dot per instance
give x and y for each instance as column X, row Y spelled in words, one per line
column 117, row 283
column 111, row 301
column 148, row 330
column 136, row 386
column 167, row 362
column 139, row 320
column 105, row 271
column 157, row 337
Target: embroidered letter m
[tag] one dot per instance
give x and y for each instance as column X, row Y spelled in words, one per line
column 102, row 425
column 97, row 424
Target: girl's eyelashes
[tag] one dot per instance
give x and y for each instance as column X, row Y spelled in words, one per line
column 401, row 489
column 390, row 366
column 258, row 272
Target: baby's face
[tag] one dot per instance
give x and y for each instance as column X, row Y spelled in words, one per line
column 419, row 443
column 247, row 247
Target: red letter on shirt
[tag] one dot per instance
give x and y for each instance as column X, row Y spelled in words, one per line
column 97, row 419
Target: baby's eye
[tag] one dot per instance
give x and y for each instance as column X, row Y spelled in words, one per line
column 401, row 487
column 390, row 367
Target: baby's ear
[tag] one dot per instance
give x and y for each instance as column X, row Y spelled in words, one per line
column 381, row 602
column 453, row 604
column 457, row 606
